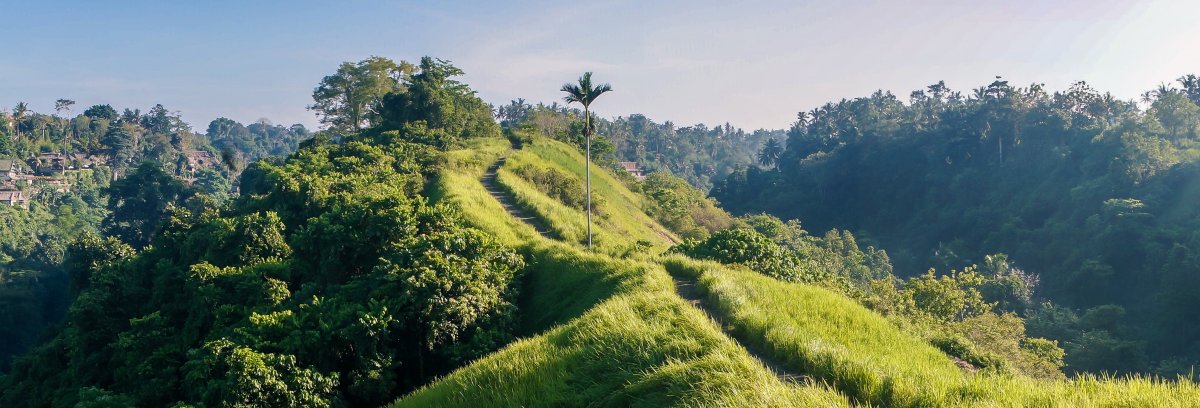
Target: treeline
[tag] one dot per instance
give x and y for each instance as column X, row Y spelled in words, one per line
column 697, row 153
column 1093, row 194
column 122, row 139
column 330, row 281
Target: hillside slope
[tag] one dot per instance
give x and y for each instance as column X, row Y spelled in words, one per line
column 599, row 330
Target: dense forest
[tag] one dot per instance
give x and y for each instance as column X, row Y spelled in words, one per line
column 87, row 174
column 1092, row 196
column 328, row 281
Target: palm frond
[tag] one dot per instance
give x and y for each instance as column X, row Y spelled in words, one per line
column 583, row 92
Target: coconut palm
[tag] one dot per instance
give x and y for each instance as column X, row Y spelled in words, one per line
column 769, row 155
column 585, row 93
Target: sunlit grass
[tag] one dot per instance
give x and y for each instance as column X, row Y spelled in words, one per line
column 603, row 331
column 623, row 220
column 457, row 184
column 642, row 346
column 835, row 339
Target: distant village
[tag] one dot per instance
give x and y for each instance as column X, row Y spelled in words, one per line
column 20, row 181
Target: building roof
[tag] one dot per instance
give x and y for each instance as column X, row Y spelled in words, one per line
column 12, row 196
column 628, row 166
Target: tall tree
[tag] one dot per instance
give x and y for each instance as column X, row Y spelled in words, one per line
column 585, row 93
column 65, row 105
column 19, row 112
column 348, row 100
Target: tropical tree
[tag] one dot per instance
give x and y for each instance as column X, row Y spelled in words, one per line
column 348, row 100
column 585, row 93
column 1191, row 87
column 19, row 115
column 769, row 155
column 64, row 105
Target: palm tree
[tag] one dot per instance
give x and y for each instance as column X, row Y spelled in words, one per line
column 803, row 119
column 584, row 93
column 769, row 155
column 65, row 105
column 19, row 115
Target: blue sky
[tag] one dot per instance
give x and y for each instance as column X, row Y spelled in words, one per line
column 751, row 63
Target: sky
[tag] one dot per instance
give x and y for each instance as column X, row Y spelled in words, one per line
column 750, row 63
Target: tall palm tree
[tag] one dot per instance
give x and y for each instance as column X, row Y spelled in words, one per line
column 19, row 115
column 585, row 93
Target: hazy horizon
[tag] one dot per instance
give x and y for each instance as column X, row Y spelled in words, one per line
column 751, row 64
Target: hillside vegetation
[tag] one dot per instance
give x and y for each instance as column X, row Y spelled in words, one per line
column 381, row 267
column 1092, row 195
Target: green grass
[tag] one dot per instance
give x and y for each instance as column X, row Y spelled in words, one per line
column 641, row 346
column 562, row 283
column 457, row 184
column 835, row 339
column 603, row 331
column 624, row 220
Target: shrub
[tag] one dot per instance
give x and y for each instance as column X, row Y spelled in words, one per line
column 745, row 247
column 558, row 185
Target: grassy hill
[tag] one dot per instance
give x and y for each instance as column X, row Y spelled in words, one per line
column 606, row 331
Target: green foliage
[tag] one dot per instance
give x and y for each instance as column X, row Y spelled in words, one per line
column 258, row 140
column 231, row 375
column 1091, row 192
column 748, row 248
column 680, row 207
column 950, row 297
column 348, row 100
column 830, row 337
column 139, row 202
column 435, row 109
column 329, row 282
column 34, row 282
column 558, row 185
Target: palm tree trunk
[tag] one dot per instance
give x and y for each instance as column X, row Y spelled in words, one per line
column 587, row 134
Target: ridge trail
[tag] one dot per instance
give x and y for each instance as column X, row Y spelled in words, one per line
column 509, row 202
column 685, row 289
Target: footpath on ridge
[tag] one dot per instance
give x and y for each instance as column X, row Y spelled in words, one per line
column 509, row 202
column 685, row 289
column 688, row 291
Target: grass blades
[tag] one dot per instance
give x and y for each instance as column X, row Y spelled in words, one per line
column 624, row 220
column 643, row 346
column 860, row 353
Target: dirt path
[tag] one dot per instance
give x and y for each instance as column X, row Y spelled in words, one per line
column 689, row 292
column 509, row 202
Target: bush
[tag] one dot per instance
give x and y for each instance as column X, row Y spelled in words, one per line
column 748, row 248
column 965, row 350
column 558, row 185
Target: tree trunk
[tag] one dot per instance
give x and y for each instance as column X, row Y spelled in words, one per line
column 587, row 134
